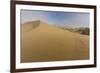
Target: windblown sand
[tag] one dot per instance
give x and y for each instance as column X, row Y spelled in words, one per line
column 42, row 42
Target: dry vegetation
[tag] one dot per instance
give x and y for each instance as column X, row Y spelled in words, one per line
column 42, row 42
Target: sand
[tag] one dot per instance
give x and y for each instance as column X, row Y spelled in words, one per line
column 42, row 42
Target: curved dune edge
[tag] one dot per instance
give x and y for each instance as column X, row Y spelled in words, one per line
column 28, row 26
column 48, row 43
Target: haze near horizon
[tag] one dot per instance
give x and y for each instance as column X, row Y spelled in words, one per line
column 56, row 18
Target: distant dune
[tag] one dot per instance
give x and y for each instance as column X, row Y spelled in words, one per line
column 80, row 30
column 42, row 42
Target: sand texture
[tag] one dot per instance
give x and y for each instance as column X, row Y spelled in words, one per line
column 42, row 42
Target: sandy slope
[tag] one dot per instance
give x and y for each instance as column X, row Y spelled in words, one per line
column 48, row 43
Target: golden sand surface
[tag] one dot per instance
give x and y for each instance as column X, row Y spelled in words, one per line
column 41, row 42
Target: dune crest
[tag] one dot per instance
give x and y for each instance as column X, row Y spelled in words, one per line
column 29, row 25
column 49, row 43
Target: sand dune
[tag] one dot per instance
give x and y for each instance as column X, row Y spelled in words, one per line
column 42, row 42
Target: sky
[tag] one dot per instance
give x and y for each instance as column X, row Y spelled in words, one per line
column 56, row 17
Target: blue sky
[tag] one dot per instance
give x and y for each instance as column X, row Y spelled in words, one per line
column 56, row 18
